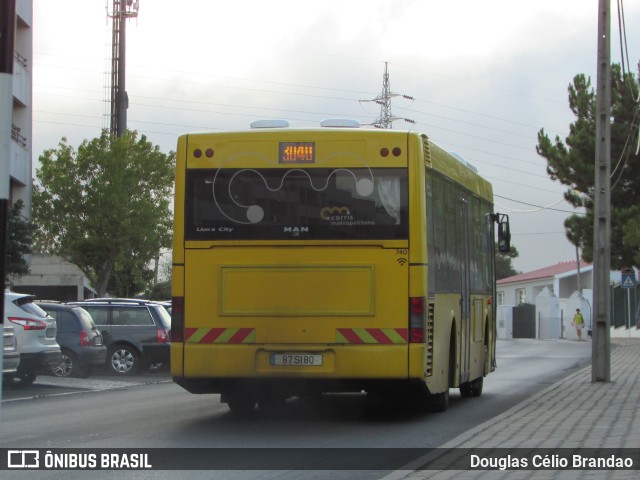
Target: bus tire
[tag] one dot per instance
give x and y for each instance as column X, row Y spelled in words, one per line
column 472, row 388
column 440, row 401
column 271, row 402
column 241, row 406
column 241, row 401
column 476, row 387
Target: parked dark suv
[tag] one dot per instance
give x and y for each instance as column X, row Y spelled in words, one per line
column 136, row 332
column 79, row 339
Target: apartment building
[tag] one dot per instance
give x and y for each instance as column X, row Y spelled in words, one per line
column 20, row 155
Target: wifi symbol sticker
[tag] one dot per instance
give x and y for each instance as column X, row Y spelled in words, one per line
column 402, row 261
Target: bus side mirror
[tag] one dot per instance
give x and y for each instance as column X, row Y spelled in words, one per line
column 504, row 233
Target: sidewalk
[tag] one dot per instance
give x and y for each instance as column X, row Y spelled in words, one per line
column 569, row 414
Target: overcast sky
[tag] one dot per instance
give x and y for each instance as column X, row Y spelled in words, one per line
column 485, row 76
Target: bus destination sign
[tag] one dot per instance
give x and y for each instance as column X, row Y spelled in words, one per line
column 297, row 152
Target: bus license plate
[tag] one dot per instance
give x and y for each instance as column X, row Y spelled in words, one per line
column 296, row 359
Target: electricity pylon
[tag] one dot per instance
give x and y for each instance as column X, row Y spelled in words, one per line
column 386, row 118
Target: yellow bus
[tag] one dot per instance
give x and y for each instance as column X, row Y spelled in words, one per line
column 331, row 259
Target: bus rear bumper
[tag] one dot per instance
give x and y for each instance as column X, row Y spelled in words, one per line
column 296, row 387
column 291, row 361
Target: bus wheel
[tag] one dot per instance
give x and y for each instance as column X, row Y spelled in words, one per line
column 472, row 388
column 241, row 406
column 439, row 402
column 271, row 403
column 476, row 386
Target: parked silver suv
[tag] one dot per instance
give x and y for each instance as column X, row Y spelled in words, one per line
column 10, row 353
column 36, row 335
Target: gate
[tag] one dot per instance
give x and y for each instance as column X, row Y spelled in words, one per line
column 524, row 321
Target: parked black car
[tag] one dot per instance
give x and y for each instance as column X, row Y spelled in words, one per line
column 136, row 332
column 79, row 339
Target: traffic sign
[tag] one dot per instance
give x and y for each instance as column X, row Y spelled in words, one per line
column 628, row 278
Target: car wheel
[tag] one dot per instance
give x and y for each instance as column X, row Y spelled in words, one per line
column 23, row 378
column 67, row 366
column 124, row 360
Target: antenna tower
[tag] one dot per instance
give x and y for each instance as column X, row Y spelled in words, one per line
column 386, row 119
column 121, row 11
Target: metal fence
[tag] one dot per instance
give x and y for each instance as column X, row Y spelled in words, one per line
column 624, row 305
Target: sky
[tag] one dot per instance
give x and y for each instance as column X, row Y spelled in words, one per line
column 485, row 77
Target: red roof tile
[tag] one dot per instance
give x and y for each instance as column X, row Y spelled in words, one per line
column 546, row 272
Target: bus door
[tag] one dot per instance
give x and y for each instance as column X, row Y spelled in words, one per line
column 465, row 294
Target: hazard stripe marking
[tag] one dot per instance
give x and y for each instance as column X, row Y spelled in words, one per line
column 220, row 335
column 384, row 336
column 242, row 335
column 347, row 335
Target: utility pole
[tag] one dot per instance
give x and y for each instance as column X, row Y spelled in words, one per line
column 7, row 32
column 386, row 119
column 122, row 10
column 601, row 348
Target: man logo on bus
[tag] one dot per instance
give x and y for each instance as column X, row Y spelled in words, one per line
column 296, row 231
column 335, row 213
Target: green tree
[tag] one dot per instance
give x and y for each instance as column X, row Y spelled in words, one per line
column 631, row 231
column 504, row 268
column 572, row 163
column 19, row 240
column 105, row 208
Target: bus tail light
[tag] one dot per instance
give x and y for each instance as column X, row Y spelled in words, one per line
column 177, row 319
column 417, row 319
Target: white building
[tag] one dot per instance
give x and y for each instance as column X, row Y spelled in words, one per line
column 53, row 278
column 20, row 159
column 561, row 279
column 555, row 291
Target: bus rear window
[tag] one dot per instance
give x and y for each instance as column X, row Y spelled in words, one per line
column 309, row 204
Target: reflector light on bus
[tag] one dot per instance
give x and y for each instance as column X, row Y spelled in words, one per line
column 384, row 152
column 417, row 319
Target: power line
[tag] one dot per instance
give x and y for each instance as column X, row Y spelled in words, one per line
column 539, row 207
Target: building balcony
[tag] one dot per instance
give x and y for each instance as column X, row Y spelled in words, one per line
column 21, row 81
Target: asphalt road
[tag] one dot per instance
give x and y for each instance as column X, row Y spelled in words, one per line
column 149, row 411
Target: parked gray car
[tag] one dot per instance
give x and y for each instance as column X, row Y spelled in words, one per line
column 79, row 339
column 136, row 332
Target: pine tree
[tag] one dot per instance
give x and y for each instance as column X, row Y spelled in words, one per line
column 572, row 163
column 18, row 241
